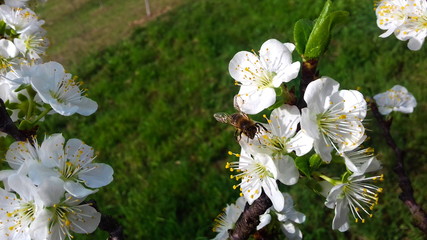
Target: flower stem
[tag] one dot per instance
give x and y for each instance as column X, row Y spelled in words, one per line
column 46, row 111
column 326, row 178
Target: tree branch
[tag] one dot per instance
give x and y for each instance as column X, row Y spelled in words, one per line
column 7, row 126
column 249, row 219
column 407, row 195
column 309, row 73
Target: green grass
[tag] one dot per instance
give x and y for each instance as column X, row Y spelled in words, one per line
column 157, row 92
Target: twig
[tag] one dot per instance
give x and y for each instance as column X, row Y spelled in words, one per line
column 309, row 73
column 7, row 126
column 249, row 219
column 407, row 195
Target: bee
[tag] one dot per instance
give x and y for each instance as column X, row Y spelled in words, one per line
column 241, row 121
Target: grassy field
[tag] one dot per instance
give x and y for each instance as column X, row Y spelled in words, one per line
column 158, row 88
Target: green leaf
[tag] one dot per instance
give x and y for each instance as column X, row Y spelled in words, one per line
column 22, row 97
column 22, row 87
column 315, row 162
column 25, row 125
column 303, row 164
column 320, row 36
column 302, row 32
column 2, row 28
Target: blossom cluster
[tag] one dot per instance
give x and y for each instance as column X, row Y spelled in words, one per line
column 407, row 19
column 46, row 186
column 44, row 191
column 329, row 127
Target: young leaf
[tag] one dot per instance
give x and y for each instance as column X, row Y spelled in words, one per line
column 321, row 34
column 303, row 164
column 302, row 32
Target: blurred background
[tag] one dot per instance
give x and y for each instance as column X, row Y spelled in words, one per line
column 159, row 79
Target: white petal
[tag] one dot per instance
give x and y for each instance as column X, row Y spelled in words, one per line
column 8, row 49
column 254, row 100
column 87, row 221
column 287, row 74
column 340, row 221
column 77, row 190
column 39, row 228
column 287, row 172
column 100, row 175
column 291, row 231
column 309, row 123
column 51, row 191
column 275, row 55
column 86, row 106
column 52, row 150
column 301, row 143
column 317, row 92
column 39, row 173
column 78, row 152
column 272, row 191
column 415, row 44
column 284, row 120
column 239, row 65
column 323, row 149
column 264, row 219
column 23, row 186
column 331, row 199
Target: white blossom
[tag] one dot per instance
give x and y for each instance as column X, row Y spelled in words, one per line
column 72, row 164
column 279, row 139
column 361, row 161
column 333, row 118
column 258, row 173
column 396, row 99
column 60, row 90
column 258, row 76
column 353, row 195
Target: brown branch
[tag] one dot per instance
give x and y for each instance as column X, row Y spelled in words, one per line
column 109, row 224
column 7, row 126
column 309, row 73
column 407, row 195
column 249, row 219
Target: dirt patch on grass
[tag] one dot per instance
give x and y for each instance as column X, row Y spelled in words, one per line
column 78, row 28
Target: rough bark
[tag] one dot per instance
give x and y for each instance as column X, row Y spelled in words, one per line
column 407, row 196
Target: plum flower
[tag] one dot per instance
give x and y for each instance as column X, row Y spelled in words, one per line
column 391, row 14
column 288, row 217
column 258, row 76
column 396, row 99
column 333, row 118
column 361, row 161
column 258, row 173
column 8, row 52
column 61, row 216
column 18, row 212
column 280, row 140
column 415, row 27
column 20, row 19
column 353, row 195
column 60, row 90
column 227, row 219
column 72, row 164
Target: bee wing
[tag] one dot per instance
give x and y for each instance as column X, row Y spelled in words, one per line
column 222, row 117
column 237, row 102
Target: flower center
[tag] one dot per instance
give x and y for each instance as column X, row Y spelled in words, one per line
column 362, row 197
column 276, row 144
